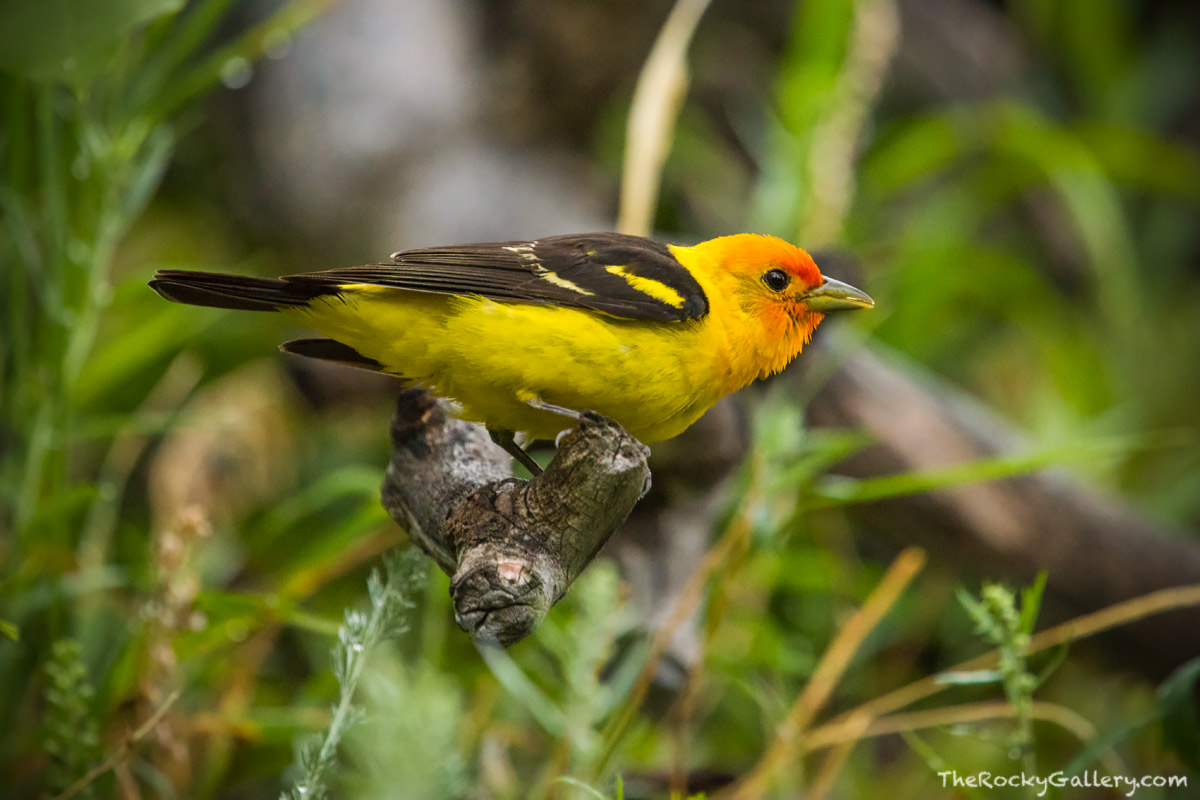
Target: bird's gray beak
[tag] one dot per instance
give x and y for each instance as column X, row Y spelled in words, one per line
column 833, row 295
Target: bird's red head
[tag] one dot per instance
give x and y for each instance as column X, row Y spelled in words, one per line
column 753, row 255
column 780, row 292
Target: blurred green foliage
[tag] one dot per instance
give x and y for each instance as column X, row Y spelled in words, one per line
column 190, row 523
column 70, row 41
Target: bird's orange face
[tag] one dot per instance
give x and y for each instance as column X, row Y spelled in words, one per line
column 781, row 291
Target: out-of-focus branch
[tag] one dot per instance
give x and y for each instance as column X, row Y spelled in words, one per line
column 1097, row 550
column 512, row 548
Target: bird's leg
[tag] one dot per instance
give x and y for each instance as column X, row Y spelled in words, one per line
column 533, row 401
column 506, row 440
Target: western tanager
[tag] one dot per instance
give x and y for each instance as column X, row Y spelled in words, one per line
column 519, row 333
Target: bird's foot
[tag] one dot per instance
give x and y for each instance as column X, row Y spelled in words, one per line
column 508, row 442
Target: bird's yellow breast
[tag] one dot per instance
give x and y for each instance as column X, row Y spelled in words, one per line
column 654, row 379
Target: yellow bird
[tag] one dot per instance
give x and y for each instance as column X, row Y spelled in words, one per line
column 521, row 333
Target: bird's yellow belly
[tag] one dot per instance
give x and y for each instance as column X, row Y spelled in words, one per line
column 654, row 379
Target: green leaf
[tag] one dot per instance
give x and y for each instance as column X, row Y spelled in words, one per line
column 1031, row 603
column 70, row 39
column 914, row 150
column 1057, row 658
column 263, row 608
column 518, row 684
column 1096, row 747
column 836, row 490
column 1177, row 701
column 153, row 335
column 975, row 609
column 1140, row 159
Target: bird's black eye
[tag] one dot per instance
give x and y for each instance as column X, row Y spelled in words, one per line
column 776, row 279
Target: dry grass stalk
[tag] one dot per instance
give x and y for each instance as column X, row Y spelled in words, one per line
column 123, row 752
column 1072, row 630
column 735, row 539
column 657, row 98
column 789, row 737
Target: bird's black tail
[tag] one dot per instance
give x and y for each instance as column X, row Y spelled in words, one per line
column 236, row 291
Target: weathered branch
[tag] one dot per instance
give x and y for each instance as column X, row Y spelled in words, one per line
column 512, row 548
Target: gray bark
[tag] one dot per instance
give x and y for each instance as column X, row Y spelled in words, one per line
column 512, row 548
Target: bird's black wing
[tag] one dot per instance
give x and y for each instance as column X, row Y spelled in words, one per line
column 630, row 277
